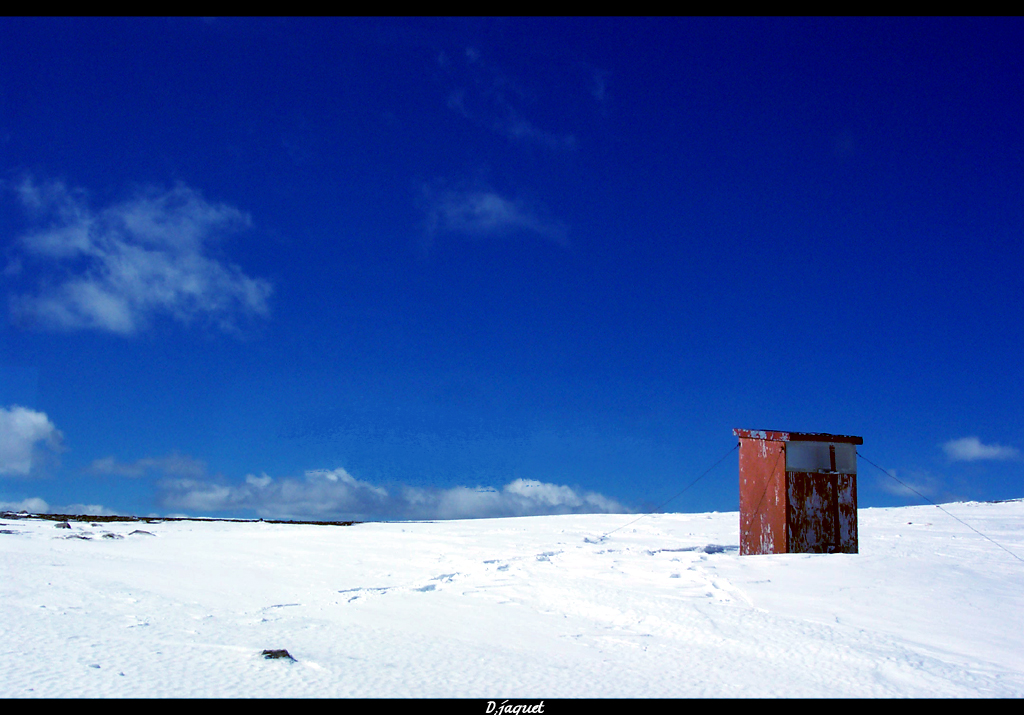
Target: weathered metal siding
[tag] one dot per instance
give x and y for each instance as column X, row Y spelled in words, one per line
column 798, row 492
column 762, row 497
column 822, row 513
column 848, row 543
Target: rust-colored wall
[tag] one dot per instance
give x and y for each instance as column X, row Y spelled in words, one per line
column 762, row 497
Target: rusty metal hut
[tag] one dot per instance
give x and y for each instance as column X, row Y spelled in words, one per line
column 798, row 492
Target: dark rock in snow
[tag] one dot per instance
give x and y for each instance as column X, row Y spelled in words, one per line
column 282, row 653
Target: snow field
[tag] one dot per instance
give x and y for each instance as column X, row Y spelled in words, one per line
column 537, row 607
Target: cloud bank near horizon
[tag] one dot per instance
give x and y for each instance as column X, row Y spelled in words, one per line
column 337, row 495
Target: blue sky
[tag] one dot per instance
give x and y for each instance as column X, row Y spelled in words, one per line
column 388, row 268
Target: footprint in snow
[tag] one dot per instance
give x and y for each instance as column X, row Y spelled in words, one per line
column 358, row 592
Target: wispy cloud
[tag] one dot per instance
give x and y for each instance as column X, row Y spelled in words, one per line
column 177, row 465
column 26, row 438
column 971, row 449
column 915, row 485
column 599, row 86
column 489, row 97
column 335, row 494
column 480, row 212
column 117, row 268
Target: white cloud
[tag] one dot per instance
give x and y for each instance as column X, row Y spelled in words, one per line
column 118, row 268
column 970, row 449
column 337, row 495
column 25, row 435
column 484, row 213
